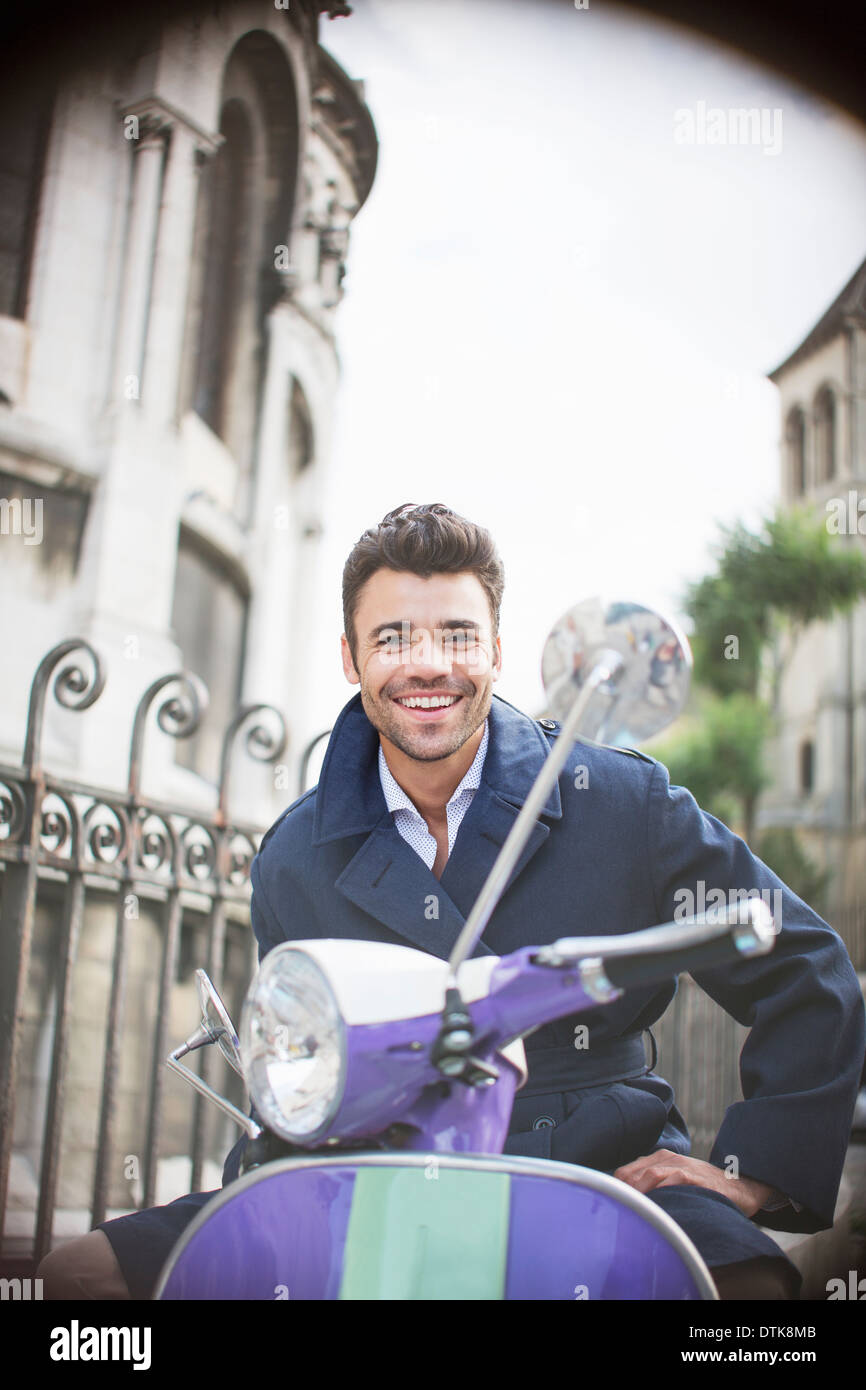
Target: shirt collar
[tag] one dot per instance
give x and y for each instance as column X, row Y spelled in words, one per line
column 397, row 800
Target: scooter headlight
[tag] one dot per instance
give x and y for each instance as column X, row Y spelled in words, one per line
column 293, row 1045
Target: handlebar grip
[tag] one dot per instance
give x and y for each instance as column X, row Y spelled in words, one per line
column 652, row 966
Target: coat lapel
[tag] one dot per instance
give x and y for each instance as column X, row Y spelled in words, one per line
column 390, row 881
column 386, row 878
column 483, row 831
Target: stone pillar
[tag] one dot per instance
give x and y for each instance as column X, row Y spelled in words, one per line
column 188, row 147
column 150, row 149
column 271, row 559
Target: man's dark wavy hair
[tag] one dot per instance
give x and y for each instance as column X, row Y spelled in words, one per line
column 424, row 540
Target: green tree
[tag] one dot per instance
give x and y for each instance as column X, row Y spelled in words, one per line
column 719, row 756
column 780, row 848
column 767, row 586
column 748, row 614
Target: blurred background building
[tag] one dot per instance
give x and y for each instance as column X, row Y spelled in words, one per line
column 174, row 237
column 176, row 204
column 818, row 756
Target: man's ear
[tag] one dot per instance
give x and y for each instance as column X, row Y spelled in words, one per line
column 348, row 664
column 497, row 659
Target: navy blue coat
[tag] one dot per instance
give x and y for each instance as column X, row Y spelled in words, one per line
column 604, row 858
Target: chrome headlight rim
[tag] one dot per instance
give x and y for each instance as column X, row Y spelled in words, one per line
column 269, row 1110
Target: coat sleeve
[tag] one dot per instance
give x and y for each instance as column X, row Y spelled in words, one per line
column 801, row 1063
column 266, row 928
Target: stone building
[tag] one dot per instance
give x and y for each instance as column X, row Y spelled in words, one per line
column 818, row 758
column 176, row 211
column 170, row 265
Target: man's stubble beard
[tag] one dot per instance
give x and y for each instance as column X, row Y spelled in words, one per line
column 385, row 719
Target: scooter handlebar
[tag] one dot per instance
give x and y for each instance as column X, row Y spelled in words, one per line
column 717, row 937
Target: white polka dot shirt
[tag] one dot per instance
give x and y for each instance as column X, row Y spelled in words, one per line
column 408, row 819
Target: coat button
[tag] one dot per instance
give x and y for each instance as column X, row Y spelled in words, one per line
column 547, row 723
column 544, row 1122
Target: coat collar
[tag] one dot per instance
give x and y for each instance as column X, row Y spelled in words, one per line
column 349, row 798
column 386, row 878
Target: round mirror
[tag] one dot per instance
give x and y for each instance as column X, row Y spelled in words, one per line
column 215, row 1019
column 647, row 692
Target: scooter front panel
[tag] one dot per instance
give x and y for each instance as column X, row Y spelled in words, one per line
column 603, row 1248
column 281, row 1237
column 389, row 1226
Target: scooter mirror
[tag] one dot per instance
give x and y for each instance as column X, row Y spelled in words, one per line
column 614, row 673
column 216, row 1022
column 650, row 688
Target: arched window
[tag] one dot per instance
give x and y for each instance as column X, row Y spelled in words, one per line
column 825, row 435
column 24, row 123
column 243, row 215
column 807, row 766
column 226, row 195
column 795, row 441
column 300, row 432
column 209, row 623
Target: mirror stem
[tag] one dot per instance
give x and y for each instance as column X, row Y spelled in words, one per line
column 200, row 1038
column 246, row 1122
column 608, row 667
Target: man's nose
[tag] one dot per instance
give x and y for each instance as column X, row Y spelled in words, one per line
column 430, row 653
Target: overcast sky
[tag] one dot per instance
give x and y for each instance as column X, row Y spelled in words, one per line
column 558, row 317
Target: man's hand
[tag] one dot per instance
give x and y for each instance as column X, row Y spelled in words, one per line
column 666, row 1169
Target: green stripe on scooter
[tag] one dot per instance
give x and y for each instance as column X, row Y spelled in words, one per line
column 427, row 1233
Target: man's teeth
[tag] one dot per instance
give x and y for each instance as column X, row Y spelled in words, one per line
column 426, row 701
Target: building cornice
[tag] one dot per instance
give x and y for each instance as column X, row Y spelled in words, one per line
column 847, row 311
column 36, row 453
column 156, row 116
column 343, row 121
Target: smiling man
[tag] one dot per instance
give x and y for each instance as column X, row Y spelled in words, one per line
column 425, row 773
column 426, row 686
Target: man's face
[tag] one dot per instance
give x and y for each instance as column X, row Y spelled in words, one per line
column 419, row 640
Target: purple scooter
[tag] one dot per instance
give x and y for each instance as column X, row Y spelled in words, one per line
column 388, row 1075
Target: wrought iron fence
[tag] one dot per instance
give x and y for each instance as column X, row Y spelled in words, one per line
column 699, row 1049
column 850, row 923
column 57, row 834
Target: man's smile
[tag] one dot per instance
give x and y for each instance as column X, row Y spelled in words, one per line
column 427, row 707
